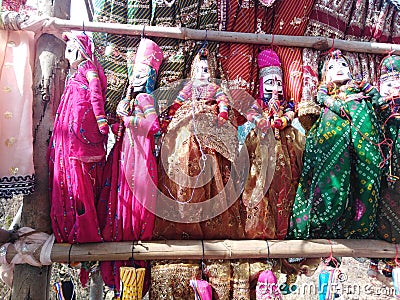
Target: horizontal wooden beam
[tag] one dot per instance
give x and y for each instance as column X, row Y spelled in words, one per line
column 218, row 249
column 319, row 43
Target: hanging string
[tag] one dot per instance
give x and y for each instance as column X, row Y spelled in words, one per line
column 272, row 42
column 143, row 31
column 331, row 258
column 205, row 42
column 268, row 253
column 132, row 259
column 69, row 255
column 331, row 49
column 69, row 271
column 203, row 265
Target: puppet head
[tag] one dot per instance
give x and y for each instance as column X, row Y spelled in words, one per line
column 202, row 70
column 337, row 68
column 147, row 62
column 389, row 80
column 78, row 48
column 271, row 76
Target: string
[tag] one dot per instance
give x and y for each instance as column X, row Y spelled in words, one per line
column 83, row 27
column 202, row 260
column 143, row 31
column 132, row 253
column 69, row 270
column 205, row 42
column 136, row 274
column 331, row 258
column 331, row 49
column 69, row 255
column 272, row 42
column 268, row 251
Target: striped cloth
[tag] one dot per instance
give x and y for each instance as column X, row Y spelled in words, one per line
column 239, row 61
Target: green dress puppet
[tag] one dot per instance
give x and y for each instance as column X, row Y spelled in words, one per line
column 339, row 188
column 388, row 228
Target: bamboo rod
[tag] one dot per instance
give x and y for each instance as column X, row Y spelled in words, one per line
column 218, row 249
column 319, row 43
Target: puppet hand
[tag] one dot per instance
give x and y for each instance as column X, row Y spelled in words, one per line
column 263, row 125
column 115, row 128
column 222, row 118
column 102, row 124
column 123, row 107
column 280, row 123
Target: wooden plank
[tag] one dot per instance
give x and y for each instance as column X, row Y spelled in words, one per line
column 218, row 249
column 319, row 43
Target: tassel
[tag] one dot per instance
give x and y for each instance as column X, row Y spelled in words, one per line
column 327, row 283
column 132, row 282
column 396, row 281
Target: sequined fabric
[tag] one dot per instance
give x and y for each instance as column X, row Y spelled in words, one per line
column 171, row 280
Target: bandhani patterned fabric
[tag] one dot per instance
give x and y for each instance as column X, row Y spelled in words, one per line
column 339, row 188
column 389, row 205
column 16, row 165
column 219, row 275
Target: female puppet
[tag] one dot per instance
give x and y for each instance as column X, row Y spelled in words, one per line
column 389, row 207
column 77, row 147
column 127, row 202
column 198, row 147
column 268, row 212
column 339, row 187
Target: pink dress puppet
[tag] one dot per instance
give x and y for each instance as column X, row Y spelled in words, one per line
column 129, row 195
column 77, row 147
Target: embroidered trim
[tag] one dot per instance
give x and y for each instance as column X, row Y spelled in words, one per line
column 16, row 185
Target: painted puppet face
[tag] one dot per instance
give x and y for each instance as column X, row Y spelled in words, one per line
column 390, row 87
column 272, row 83
column 140, row 77
column 338, row 71
column 72, row 54
column 201, row 71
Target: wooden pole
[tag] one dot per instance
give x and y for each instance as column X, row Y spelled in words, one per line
column 319, row 43
column 217, row 249
column 32, row 282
